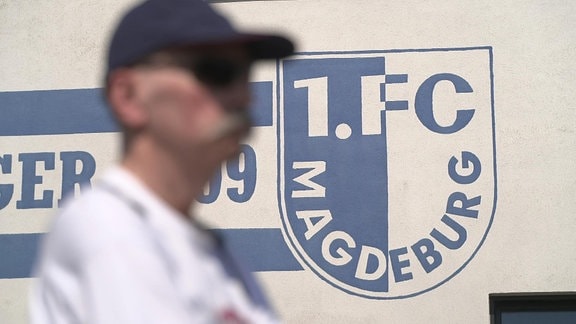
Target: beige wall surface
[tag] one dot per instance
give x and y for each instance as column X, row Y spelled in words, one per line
column 519, row 58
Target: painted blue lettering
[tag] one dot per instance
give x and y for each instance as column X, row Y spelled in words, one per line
column 212, row 191
column 242, row 171
column 30, row 179
column 71, row 177
column 394, row 104
column 246, row 174
column 398, row 265
column 424, row 105
column 6, row 190
column 464, row 203
column 429, row 258
column 444, row 240
column 467, row 159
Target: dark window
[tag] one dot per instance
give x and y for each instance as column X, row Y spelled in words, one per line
column 533, row 308
column 219, row 1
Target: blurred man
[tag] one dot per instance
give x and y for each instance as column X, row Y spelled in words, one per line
column 128, row 251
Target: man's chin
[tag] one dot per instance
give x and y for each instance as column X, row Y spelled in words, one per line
column 232, row 125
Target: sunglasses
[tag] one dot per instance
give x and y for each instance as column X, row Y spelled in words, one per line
column 218, row 72
column 213, row 71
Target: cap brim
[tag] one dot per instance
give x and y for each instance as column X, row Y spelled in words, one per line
column 269, row 46
column 260, row 46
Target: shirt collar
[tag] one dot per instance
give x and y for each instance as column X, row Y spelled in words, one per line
column 161, row 216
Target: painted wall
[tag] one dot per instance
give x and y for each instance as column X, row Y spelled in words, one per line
column 413, row 158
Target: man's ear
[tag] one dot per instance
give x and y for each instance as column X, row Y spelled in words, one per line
column 122, row 95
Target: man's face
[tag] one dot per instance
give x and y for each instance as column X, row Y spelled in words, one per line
column 194, row 103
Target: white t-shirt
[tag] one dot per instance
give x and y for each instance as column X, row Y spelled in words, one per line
column 118, row 254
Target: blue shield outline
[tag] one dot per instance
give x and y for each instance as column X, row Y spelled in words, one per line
column 364, row 63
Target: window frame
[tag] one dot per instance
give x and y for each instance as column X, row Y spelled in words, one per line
column 530, row 302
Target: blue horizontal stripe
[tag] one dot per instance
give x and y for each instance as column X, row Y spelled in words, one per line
column 17, row 254
column 262, row 249
column 50, row 112
column 76, row 111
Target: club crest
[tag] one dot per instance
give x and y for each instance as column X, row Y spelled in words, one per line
column 387, row 168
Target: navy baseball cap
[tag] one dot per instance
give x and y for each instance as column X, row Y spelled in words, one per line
column 158, row 24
